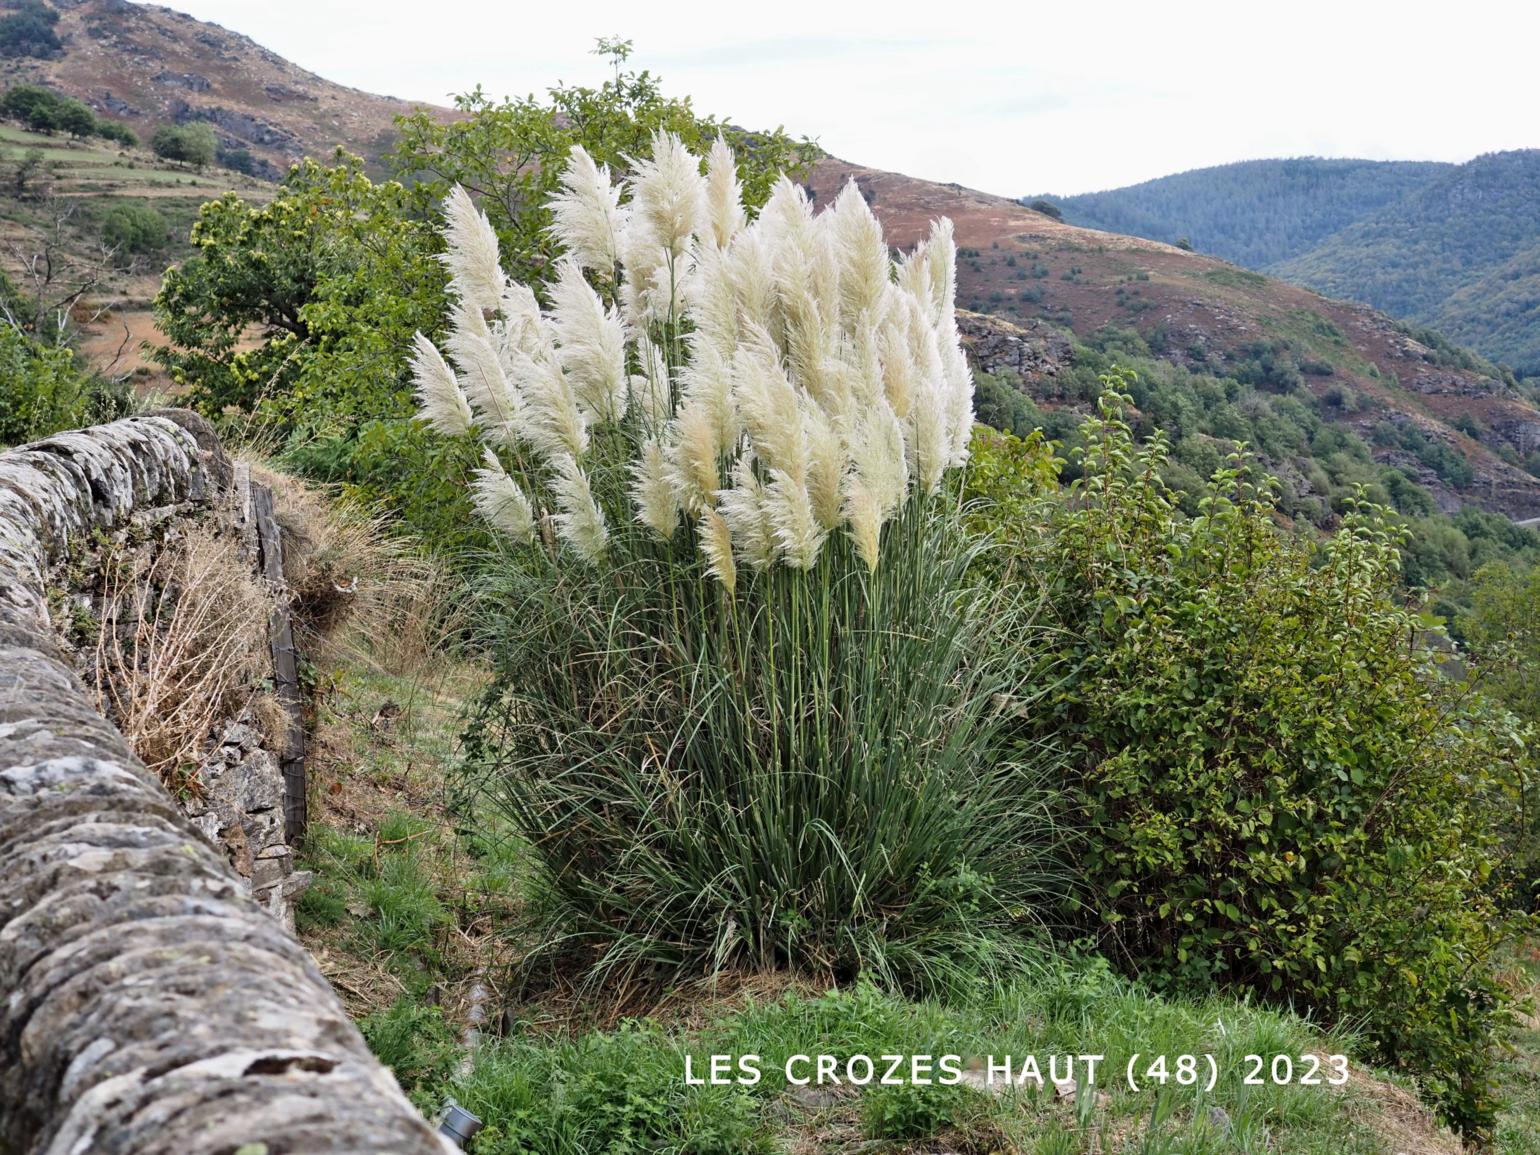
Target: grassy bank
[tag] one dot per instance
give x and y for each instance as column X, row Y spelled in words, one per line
column 410, row 920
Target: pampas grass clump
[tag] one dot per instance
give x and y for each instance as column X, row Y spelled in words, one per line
column 745, row 713
column 770, row 382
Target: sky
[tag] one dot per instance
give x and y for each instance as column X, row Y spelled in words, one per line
column 1028, row 97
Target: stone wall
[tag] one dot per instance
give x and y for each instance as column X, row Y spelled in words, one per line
column 150, row 1004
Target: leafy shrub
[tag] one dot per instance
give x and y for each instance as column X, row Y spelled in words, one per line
column 28, row 30
column 42, row 391
column 44, row 110
column 119, row 133
column 239, row 160
column 134, row 229
column 1277, row 789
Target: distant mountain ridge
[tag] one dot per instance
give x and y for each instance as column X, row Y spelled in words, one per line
column 1453, row 247
column 146, row 66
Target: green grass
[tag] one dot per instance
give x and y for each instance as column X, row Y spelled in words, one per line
column 624, row 1090
column 1518, row 1125
column 395, row 885
column 395, row 889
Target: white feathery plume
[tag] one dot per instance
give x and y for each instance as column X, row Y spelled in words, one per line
column 786, row 224
column 716, row 542
column 590, row 344
column 752, row 268
column 809, row 343
column 867, row 266
column 694, row 456
column 706, row 380
column 482, row 373
column 767, row 404
column 471, row 254
column 654, row 284
column 651, row 388
column 589, row 217
column 823, row 271
column 877, row 457
column 863, row 521
column 742, row 506
column 553, row 422
column 941, row 265
column 859, row 354
column 790, row 510
column 652, row 490
column 441, row 403
column 520, row 327
column 712, row 299
column 826, row 457
column 899, row 371
column 914, row 277
column 668, row 195
column 668, row 208
column 498, row 498
column 835, row 384
column 958, row 400
column 724, row 195
column 579, row 520
column 928, row 418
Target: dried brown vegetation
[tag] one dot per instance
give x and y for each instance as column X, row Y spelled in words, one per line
column 182, row 646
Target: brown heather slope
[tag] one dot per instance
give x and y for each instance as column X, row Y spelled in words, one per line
column 146, row 66
column 1208, row 310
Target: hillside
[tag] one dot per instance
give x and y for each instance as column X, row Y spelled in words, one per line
column 146, row 66
column 1453, row 247
column 1474, row 230
column 1206, row 315
column 1254, row 212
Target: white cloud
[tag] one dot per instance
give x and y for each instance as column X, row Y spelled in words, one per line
column 1009, row 97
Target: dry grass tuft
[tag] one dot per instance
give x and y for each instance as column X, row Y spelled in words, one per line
column 182, row 647
column 357, row 593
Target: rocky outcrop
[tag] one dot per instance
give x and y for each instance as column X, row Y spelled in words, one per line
column 1028, row 353
column 150, row 1004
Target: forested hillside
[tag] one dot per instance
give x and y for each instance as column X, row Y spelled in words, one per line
column 1473, row 231
column 1452, row 247
column 1255, row 212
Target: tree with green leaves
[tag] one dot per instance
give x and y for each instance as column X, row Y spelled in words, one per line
column 194, row 144
column 509, row 154
column 1279, row 790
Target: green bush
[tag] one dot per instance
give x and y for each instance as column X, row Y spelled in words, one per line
column 135, row 229
column 42, row 391
column 28, row 30
column 1278, row 790
column 120, row 133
